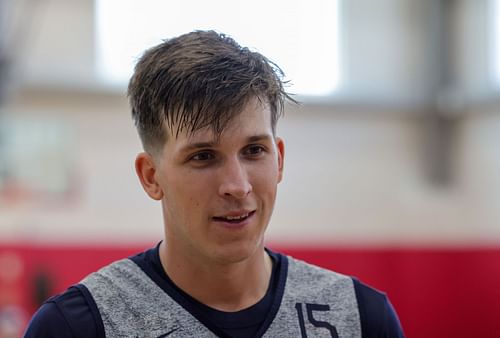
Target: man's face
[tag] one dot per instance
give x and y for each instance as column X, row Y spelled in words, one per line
column 218, row 195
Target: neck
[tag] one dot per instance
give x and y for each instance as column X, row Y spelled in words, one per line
column 223, row 286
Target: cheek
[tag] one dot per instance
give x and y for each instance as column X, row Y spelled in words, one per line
column 266, row 180
column 192, row 191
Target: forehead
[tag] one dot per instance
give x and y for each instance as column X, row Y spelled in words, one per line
column 254, row 119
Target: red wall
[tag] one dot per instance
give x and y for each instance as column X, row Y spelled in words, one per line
column 438, row 292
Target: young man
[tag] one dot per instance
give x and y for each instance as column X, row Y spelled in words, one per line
column 206, row 111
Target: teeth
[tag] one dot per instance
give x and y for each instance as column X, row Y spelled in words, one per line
column 231, row 218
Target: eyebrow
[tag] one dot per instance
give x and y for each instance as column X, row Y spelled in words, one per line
column 212, row 144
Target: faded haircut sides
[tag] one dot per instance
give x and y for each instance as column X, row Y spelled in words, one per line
column 197, row 80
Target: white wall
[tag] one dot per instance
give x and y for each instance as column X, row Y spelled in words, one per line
column 351, row 176
column 348, row 179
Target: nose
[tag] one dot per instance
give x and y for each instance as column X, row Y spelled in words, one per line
column 234, row 180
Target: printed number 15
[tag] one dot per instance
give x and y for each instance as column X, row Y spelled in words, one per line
column 317, row 323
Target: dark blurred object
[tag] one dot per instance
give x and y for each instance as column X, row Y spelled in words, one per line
column 43, row 286
column 4, row 66
column 16, row 24
column 4, row 48
column 3, row 74
column 445, row 107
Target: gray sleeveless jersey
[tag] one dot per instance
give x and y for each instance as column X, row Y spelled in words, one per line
column 316, row 303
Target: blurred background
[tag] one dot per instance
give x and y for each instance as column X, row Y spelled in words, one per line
column 392, row 159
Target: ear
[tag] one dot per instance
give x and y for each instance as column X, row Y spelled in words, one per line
column 280, row 146
column 145, row 168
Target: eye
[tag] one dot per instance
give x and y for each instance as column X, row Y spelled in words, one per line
column 203, row 156
column 254, row 150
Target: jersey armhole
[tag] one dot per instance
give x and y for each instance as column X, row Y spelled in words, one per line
column 377, row 316
column 370, row 315
column 93, row 308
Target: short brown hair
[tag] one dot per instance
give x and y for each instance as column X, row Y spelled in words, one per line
column 196, row 80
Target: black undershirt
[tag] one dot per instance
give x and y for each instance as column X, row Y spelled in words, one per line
column 243, row 323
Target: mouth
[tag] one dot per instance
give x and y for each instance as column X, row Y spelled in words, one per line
column 236, row 218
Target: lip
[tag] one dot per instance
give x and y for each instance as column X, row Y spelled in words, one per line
column 234, row 224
